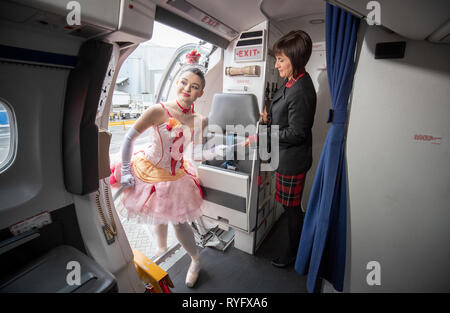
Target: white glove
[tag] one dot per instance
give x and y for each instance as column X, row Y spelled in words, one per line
column 127, row 180
column 220, row 150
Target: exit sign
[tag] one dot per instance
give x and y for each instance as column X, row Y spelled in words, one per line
column 248, row 54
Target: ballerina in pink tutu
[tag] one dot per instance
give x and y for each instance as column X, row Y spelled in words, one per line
column 159, row 186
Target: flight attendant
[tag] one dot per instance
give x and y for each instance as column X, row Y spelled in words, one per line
column 292, row 108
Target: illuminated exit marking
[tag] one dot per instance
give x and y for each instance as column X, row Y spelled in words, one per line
column 248, row 54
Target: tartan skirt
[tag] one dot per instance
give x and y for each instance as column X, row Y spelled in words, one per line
column 290, row 189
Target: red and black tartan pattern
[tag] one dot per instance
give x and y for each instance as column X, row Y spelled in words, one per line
column 290, row 189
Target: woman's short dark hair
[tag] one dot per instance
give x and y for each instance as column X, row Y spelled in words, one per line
column 297, row 46
column 196, row 71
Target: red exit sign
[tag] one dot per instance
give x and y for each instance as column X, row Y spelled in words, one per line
column 246, row 54
column 210, row 21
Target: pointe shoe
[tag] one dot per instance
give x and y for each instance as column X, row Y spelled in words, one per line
column 192, row 276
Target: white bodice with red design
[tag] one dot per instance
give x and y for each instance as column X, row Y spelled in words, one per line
column 167, row 144
column 166, row 147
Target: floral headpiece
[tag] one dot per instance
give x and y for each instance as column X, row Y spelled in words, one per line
column 193, row 57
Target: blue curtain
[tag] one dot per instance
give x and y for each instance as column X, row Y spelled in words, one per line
column 322, row 245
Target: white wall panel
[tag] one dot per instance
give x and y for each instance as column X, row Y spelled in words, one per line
column 399, row 182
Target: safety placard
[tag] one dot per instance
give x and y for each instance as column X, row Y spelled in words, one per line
column 248, row 54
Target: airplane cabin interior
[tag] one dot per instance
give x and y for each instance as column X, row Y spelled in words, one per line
column 57, row 205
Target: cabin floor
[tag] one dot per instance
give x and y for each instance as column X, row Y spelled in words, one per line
column 234, row 271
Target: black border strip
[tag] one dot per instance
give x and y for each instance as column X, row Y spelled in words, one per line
column 36, row 56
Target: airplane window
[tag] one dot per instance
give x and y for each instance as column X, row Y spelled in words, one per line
column 146, row 78
column 7, row 123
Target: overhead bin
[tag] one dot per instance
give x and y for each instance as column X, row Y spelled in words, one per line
column 119, row 21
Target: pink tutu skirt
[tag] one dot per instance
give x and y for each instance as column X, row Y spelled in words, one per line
column 175, row 201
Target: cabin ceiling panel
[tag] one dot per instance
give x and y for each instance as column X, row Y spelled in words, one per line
column 313, row 24
column 313, row 19
column 288, row 9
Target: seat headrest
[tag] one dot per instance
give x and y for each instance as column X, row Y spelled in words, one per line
column 233, row 109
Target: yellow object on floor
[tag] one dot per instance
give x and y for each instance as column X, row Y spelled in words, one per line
column 151, row 273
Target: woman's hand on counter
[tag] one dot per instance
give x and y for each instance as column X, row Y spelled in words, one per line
column 264, row 116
